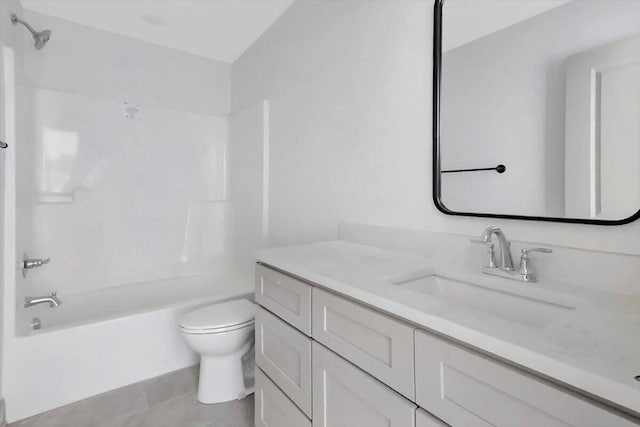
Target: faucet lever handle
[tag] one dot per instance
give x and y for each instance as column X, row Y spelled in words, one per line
column 491, row 254
column 526, row 251
column 525, row 265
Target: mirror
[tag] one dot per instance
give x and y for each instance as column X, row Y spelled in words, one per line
column 537, row 109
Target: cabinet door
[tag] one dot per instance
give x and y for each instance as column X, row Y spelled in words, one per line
column 376, row 343
column 465, row 388
column 273, row 408
column 286, row 297
column 343, row 395
column 284, row 354
column 425, row 419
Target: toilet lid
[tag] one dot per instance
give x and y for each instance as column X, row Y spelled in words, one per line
column 221, row 315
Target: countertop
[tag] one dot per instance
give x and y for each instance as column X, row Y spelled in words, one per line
column 592, row 350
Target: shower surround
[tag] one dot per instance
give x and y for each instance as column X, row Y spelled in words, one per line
column 118, row 172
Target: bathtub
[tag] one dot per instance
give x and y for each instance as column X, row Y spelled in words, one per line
column 102, row 340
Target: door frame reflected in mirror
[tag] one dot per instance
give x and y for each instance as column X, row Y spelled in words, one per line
column 436, row 165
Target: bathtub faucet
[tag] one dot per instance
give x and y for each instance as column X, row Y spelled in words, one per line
column 52, row 300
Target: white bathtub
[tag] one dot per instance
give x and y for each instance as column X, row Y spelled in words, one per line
column 128, row 300
column 94, row 342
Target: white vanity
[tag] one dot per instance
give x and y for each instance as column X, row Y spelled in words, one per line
column 351, row 335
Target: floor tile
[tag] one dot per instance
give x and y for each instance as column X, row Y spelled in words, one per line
column 186, row 411
column 92, row 411
column 165, row 387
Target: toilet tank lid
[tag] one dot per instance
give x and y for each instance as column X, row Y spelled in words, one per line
column 220, row 315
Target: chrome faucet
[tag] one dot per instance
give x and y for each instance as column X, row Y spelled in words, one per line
column 504, row 268
column 52, row 300
column 506, row 262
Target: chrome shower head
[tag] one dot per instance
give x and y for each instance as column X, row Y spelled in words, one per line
column 40, row 38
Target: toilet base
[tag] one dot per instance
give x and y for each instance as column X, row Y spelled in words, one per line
column 221, row 379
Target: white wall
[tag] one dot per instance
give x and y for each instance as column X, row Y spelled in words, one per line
column 115, row 200
column 349, row 85
column 8, row 42
column 509, row 89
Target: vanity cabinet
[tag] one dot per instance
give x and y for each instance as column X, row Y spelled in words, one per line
column 344, row 395
column 285, row 296
column 425, row 419
column 376, row 343
column 325, row 360
column 466, row 388
column 273, row 408
column 284, row 354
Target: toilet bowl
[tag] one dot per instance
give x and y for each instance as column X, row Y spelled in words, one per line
column 221, row 333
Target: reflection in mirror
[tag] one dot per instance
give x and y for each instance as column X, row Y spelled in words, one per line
column 551, row 90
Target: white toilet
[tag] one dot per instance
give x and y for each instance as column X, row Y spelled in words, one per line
column 222, row 333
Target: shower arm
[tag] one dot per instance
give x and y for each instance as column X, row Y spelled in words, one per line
column 16, row 20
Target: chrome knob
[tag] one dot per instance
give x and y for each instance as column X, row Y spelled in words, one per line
column 29, row 263
column 525, row 265
column 491, row 254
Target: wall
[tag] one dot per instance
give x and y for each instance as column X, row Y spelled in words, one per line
column 114, row 200
column 525, row 132
column 10, row 44
column 349, row 86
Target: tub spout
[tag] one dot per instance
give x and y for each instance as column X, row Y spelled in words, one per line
column 52, row 300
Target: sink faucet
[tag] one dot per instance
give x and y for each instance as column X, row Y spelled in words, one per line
column 506, row 262
column 53, row 301
column 504, row 268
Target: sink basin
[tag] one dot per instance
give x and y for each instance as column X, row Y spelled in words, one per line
column 510, row 306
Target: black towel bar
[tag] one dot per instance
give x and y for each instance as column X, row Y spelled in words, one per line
column 499, row 169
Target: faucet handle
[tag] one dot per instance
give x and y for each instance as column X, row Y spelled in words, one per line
column 491, row 254
column 525, row 265
column 525, row 251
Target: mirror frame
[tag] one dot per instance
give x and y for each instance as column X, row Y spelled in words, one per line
column 437, row 75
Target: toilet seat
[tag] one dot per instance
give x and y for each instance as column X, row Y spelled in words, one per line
column 217, row 318
column 216, row 330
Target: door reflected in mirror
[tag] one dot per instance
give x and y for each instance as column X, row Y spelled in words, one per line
column 539, row 111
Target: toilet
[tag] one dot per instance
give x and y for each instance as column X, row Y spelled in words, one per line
column 222, row 334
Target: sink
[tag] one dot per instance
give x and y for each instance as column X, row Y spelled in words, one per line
column 527, row 310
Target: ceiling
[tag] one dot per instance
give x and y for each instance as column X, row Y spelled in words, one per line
column 467, row 20
column 216, row 29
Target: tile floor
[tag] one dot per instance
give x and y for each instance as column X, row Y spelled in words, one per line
column 165, row 401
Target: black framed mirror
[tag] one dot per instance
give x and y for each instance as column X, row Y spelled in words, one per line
column 536, row 110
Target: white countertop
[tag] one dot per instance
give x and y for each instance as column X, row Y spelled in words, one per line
column 588, row 348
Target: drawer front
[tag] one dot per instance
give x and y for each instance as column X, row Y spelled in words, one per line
column 465, row 388
column 343, row 395
column 288, row 298
column 273, row 408
column 284, row 354
column 425, row 419
column 374, row 342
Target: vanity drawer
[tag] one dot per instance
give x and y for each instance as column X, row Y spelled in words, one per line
column 425, row 419
column 343, row 395
column 465, row 388
column 288, row 298
column 284, row 354
column 273, row 408
column 374, row 342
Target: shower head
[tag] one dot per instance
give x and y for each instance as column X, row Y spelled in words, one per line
column 40, row 38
